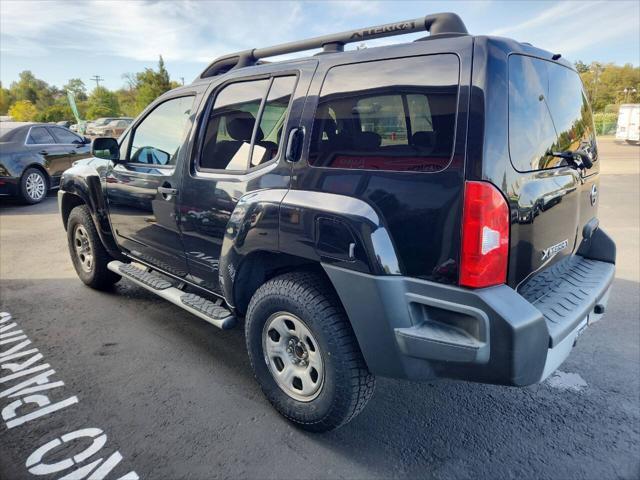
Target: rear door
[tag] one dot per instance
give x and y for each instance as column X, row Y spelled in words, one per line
column 240, row 149
column 548, row 112
column 72, row 146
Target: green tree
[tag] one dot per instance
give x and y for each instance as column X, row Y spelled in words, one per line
column 6, row 99
column 77, row 87
column 55, row 113
column 36, row 91
column 102, row 103
column 605, row 85
column 150, row 84
column 23, row 111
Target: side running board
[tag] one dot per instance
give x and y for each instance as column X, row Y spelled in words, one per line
column 212, row 312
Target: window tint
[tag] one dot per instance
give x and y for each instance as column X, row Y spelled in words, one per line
column 547, row 111
column 40, row 136
column 272, row 120
column 227, row 140
column 157, row 140
column 387, row 115
column 65, row 136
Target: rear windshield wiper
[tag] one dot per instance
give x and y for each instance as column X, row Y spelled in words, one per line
column 575, row 157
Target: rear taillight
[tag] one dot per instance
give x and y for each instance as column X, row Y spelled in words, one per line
column 485, row 236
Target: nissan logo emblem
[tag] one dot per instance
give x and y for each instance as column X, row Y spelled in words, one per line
column 594, row 195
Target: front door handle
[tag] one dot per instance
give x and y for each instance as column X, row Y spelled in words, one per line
column 167, row 192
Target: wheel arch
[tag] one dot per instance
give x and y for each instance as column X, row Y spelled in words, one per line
column 81, row 185
column 261, row 266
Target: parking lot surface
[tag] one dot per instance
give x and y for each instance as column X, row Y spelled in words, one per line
column 175, row 397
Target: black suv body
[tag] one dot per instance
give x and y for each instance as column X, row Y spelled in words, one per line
column 437, row 198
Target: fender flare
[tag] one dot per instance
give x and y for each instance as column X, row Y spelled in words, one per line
column 288, row 222
column 84, row 182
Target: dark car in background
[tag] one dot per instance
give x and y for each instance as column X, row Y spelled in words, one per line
column 33, row 157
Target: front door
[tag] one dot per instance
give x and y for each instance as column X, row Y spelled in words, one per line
column 241, row 138
column 142, row 188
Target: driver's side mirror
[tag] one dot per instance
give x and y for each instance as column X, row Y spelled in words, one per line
column 106, row 147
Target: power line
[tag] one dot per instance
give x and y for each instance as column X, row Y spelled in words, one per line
column 97, row 79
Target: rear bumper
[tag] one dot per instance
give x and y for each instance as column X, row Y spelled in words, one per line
column 416, row 329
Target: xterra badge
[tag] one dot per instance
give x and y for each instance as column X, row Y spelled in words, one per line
column 551, row 252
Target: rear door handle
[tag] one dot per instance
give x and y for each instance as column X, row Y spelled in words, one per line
column 43, row 152
column 167, row 191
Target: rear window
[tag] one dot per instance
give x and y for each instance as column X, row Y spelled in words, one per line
column 548, row 111
column 397, row 115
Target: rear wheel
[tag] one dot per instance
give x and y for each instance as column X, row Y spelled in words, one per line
column 34, row 186
column 632, row 142
column 88, row 255
column 304, row 353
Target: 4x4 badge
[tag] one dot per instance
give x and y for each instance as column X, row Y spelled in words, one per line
column 550, row 252
column 593, row 196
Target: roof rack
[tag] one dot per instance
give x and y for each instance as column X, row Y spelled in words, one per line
column 435, row 24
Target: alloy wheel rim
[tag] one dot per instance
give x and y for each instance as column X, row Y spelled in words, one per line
column 293, row 356
column 84, row 252
column 35, row 186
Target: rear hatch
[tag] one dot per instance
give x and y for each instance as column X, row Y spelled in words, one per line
column 552, row 198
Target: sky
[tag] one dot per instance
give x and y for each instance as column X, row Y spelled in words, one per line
column 59, row 40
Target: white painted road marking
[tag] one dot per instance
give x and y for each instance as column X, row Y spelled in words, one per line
column 20, row 411
column 566, row 381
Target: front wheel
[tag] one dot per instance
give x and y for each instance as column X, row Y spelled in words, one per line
column 88, row 255
column 304, row 353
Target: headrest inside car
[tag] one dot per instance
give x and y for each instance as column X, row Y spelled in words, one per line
column 240, row 126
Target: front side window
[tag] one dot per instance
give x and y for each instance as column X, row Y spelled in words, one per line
column 396, row 115
column 65, row 136
column 245, row 126
column 548, row 111
column 40, row 136
column 158, row 139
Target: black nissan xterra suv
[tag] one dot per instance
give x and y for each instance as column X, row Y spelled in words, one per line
column 422, row 210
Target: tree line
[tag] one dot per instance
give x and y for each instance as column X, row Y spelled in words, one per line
column 32, row 99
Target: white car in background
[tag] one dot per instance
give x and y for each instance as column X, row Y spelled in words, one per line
column 629, row 123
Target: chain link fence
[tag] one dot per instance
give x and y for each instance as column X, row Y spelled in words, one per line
column 605, row 123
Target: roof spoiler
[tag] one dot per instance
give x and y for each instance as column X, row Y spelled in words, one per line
column 435, row 24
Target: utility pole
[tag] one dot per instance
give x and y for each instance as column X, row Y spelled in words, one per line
column 97, row 79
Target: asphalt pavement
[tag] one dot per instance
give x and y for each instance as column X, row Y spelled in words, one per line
column 144, row 389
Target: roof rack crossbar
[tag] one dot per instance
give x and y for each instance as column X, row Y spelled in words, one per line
column 435, row 24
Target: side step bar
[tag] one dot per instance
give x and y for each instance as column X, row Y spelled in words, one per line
column 209, row 311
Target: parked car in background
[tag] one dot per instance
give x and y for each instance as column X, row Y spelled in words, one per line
column 99, row 122
column 629, row 123
column 33, row 157
column 114, row 128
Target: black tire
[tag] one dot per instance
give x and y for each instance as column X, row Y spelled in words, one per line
column 347, row 383
column 30, row 192
column 632, row 142
column 94, row 274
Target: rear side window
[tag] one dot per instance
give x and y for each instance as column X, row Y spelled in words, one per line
column 232, row 140
column 397, row 115
column 65, row 136
column 548, row 111
column 40, row 136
